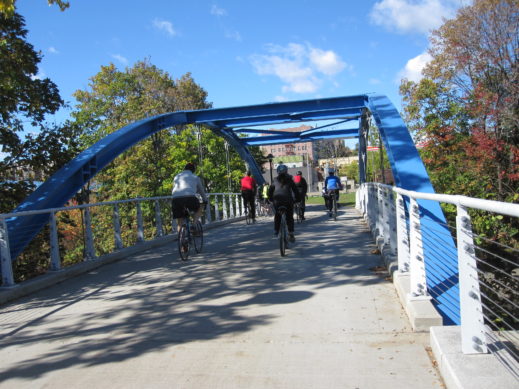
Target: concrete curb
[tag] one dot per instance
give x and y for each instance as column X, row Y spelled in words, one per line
column 53, row 277
column 467, row 371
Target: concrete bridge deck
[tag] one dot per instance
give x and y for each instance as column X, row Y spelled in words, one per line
column 236, row 316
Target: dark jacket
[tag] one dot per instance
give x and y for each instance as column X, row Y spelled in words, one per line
column 302, row 186
column 284, row 192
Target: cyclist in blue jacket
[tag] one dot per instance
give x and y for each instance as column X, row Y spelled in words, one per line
column 332, row 185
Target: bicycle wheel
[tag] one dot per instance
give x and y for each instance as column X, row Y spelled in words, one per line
column 198, row 237
column 183, row 243
column 334, row 208
column 283, row 238
column 248, row 216
column 298, row 213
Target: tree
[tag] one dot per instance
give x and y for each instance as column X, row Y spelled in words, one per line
column 7, row 7
column 26, row 99
column 332, row 148
column 475, row 56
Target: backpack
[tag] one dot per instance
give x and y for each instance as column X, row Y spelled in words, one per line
column 297, row 179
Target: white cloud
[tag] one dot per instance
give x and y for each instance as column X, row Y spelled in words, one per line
column 120, row 58
column 217, row 11
column 413, row 15
column 53, row 50
column 298, row 66
column 413, row 68
column 164, row 25
column 374, row 81
column 327, row 62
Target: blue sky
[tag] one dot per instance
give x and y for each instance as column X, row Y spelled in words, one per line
column 241, row 52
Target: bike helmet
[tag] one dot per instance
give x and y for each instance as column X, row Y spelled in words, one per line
column 282, row 169
column 331, row 171
column 299, row 173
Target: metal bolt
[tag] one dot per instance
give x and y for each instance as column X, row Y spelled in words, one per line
column 419, row 258
column 473, row 295
column 469, row 248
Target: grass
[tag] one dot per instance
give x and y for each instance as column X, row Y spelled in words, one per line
column 345, row 199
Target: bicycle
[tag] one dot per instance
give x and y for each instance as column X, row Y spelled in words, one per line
column 283, row 230
column 248, row 215
column 334, row 203
column 298, row 209
column 190, row 233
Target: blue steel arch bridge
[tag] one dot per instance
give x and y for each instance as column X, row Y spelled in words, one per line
column 407, row 168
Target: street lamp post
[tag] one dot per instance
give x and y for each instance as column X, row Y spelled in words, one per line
column 270, row 157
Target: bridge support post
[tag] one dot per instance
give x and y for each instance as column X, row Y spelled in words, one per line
column 55, row 261
column 418, row 283
column 402, row 235
column 472, row 324
column 5, row 253
column 117, row 228
column 158, row 220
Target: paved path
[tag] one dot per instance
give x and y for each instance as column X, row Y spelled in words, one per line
column 236, row 316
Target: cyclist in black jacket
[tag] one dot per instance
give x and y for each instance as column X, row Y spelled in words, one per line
column 302, row 187
column 283, row 192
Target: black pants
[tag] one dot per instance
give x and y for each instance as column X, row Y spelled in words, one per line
column 248, row 199
column 289, row 215
column 328, row 199
column 302, row 203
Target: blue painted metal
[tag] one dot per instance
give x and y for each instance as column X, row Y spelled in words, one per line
column 409, row 173
column 406, row 165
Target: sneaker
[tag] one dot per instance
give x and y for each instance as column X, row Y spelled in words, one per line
column 276, row 235
column 329, row 214
column 291, row 238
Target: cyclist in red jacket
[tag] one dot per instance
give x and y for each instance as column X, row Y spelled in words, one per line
column 248, row 193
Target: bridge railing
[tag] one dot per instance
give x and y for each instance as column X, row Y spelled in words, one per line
column 488, row 278
column 85, row 232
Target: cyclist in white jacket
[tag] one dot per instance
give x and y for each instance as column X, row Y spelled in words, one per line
column 186, row 186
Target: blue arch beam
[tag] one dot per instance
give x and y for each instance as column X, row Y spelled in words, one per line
column 406, row 165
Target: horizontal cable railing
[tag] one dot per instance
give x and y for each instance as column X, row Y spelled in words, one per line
column 85, row 232
column 488, row 270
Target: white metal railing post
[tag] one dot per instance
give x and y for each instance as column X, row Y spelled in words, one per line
column 117, row 228
column 385, row 216
column 237, row 205
column 216, row 208
column 472, row 324
column 55, row 260
column 231, row 206
column 418, row 287
column 380, row 219
column 89, row 237
column 208, row 217
column 5, row 253
column 158, row 220
column 393, row 239
column 224, row 207
column 140, row 224
column 402, row 235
